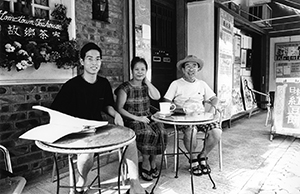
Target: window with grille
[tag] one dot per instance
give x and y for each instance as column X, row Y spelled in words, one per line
column 36, row 8
column 40, row 9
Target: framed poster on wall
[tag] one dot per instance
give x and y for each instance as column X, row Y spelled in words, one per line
column 237, row 101
column 237, row 48
column 287, row 69
column 243, row 58
column 287, row 51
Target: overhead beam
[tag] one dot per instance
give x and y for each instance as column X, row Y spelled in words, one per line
column 285, row 23
column 290, row 3
column 277, row 18
column 286, row 30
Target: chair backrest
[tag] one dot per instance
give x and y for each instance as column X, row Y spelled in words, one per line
column 220, row 115
column 272, row 97
column 6, row 156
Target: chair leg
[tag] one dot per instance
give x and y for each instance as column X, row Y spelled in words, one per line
column 220, row 155
column 53, row 171
column 250, row 112
column 165, row 158
column 7, row 160
column 268, row 115
column 175, row 148
column 123, row 168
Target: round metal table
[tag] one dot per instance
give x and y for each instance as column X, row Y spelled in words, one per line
column 182, row 119
column 103, row 139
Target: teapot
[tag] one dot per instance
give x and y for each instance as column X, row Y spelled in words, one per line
column 192, row 107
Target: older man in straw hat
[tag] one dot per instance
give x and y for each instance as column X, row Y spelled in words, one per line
column 191, row 91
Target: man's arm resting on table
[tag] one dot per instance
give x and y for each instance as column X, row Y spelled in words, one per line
column 212, row 104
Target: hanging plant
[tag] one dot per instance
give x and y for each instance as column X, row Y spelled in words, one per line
column 24, row 56
column 60, row 13
column 34, row 46
column 67, row 55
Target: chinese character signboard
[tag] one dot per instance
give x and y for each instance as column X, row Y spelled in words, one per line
column 287, row 107
column 21, row 28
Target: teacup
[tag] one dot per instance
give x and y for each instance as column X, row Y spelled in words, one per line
column 166, row 107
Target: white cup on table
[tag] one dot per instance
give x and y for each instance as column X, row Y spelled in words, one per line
column 166, row 107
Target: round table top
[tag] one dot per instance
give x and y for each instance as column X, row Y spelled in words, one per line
column 196, row 119
column 105, row 138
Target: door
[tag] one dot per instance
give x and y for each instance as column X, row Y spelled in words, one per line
column 163, row 44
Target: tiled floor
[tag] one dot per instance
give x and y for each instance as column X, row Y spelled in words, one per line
column 251, row 164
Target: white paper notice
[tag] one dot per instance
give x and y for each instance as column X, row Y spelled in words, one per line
column 146, row 31
column 60, row 125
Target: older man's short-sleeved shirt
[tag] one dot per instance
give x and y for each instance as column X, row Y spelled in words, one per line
column 181, row 91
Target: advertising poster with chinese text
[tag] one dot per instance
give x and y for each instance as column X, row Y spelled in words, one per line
column 237, row 100
column 225, row 61
column 287, row 107
column 287, row 59
column 287, row 51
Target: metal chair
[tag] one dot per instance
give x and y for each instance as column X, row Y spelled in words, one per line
column 153, row 110
column 15, row 184
column 268, row 102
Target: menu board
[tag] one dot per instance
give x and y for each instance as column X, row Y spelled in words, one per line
column 287, row 107
column 288, row 69
column 225, row 61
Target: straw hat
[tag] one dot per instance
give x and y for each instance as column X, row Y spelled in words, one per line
column 190, row 58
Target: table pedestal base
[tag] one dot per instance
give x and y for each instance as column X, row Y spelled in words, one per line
column 72, row 175
column 178, row 148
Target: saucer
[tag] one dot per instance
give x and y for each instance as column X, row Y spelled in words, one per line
column 165, row 114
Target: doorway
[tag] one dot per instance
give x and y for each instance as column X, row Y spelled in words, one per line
column 163, row 44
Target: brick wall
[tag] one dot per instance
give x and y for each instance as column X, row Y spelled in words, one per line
column 17, row 117
column 109, row 36
column 16, row 101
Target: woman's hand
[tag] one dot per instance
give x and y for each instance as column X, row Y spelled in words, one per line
column 118, row 119
column 143, row 119
column 152, row 90
column 146, row 81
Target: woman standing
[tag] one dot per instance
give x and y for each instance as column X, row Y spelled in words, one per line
column 133, row 103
